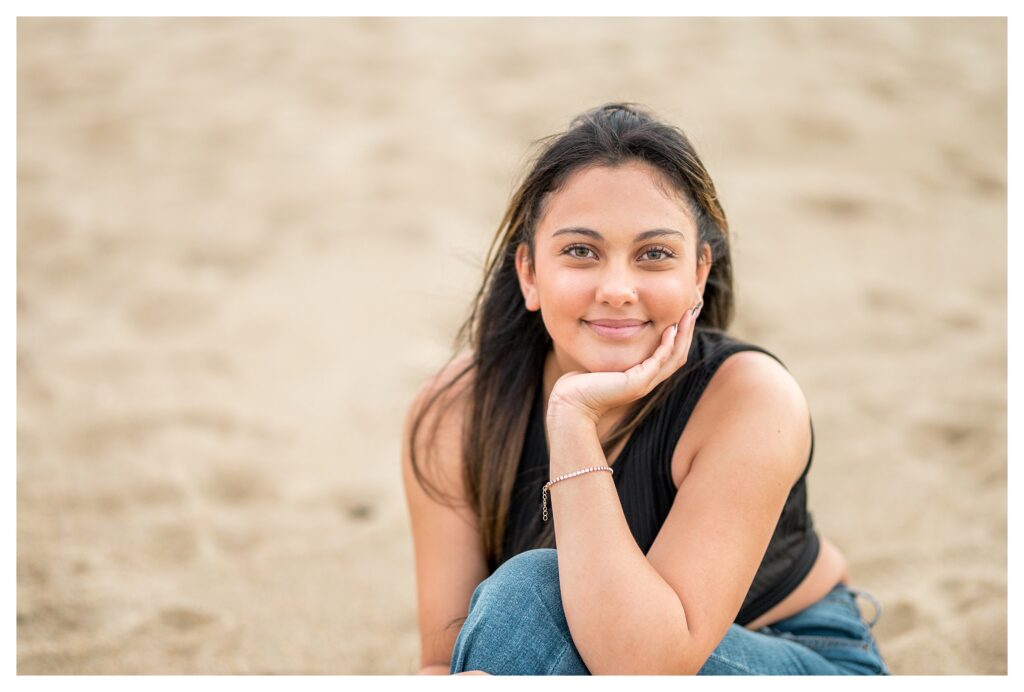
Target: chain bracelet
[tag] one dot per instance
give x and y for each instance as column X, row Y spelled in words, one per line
column 544, row 490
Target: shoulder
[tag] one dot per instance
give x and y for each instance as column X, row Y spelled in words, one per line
column 435, row 421
column 758, row 375
column 754, row 427
column 753, row 407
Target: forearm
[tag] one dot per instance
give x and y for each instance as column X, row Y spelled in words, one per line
column 623, row 617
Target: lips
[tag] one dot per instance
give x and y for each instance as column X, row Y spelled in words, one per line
column 616, row 329
column 617, row 323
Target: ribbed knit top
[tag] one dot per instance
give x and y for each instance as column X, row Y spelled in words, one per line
column 643, row 479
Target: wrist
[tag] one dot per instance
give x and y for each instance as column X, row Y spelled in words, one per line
column 565, row 406
column 567, row 419
column 573, row 441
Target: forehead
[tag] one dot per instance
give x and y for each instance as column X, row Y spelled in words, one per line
column 626, row 198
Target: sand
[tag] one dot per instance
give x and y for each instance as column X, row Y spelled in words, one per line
column 243, row 243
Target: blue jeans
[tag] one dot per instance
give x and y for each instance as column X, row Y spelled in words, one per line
column 516, row 626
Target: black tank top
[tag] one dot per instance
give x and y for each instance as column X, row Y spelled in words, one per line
column 643, row 478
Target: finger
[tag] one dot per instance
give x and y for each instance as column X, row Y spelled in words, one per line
column 665, row 361
column 681, row 346
column 642, row 374
column 669, row 339
column 688, row 326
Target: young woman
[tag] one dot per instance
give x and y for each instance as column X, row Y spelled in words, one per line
column 604, row 481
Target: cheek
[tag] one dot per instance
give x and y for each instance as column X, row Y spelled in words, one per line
column 667, row 299
column 564, row 300
column 567, row 294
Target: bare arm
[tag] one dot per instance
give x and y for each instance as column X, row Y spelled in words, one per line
column 666, row 612
column 449, row 558
column 624, row 618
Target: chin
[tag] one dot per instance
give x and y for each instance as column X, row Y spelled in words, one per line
column 613, row 362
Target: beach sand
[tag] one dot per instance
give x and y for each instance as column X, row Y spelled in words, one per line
column 242, row 244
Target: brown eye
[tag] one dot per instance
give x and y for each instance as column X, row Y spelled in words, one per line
column 577, row 251
column 656, row 254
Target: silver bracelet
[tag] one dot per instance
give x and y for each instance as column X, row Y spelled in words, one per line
column 544, row 490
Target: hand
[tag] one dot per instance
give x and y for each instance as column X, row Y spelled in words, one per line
column 595, row 393
column 472, row 672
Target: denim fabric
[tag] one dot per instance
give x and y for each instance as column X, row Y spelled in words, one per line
column 516, row 626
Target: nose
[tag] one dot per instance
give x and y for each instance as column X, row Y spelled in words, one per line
column 616, row 288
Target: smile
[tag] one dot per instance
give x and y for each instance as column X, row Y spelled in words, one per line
column 608, row 329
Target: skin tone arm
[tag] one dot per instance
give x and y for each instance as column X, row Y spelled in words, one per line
column 449, row 561
column 664, row 613
column 608, row 584
column 572, row 429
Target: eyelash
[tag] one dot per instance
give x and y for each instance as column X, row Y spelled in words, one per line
column 668, row 254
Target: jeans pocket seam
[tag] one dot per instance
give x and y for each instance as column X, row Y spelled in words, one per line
column 723, row 660
column 558, row 660
column 824, row 641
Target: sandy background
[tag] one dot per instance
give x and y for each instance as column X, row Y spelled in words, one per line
column 243, row 243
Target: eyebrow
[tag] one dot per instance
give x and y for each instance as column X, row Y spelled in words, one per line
column 644, row 235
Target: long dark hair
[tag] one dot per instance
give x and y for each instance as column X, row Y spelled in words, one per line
column 509, row 343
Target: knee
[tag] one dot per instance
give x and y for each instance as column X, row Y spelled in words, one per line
column 513, row 584
column 532, row 566
column 516, row 624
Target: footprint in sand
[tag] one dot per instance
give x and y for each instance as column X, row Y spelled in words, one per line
column 970, row 439
column 809, row 129
column 162, row 312
column 48, row 619
column 961, row 321
column 840, row 207
column 239, row 484
column 884, row 298
column 184, row 619
column 235, row 542
column 357, row 508
column 232, row 262
column 100, row 436
column 173, row 544
column 884, row 90
column 900, row 617
column 182, row 632
column 967, row 593
column 963, row 164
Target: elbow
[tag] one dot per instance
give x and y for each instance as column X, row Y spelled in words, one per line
column 688, row 665
column 691, row 666
column 689, row 659
column 688, row 656
column 675, row 660
column 673, row 667
column 694, row 658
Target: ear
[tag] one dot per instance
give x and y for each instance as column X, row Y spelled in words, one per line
column 527, row 280
column 703, row 267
